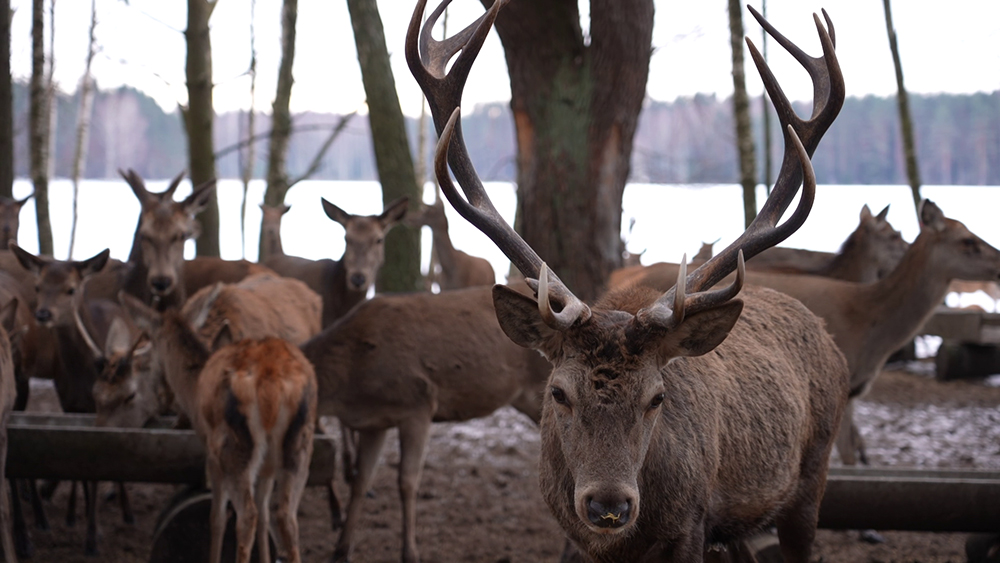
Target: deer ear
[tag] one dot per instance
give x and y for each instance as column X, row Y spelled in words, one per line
column 866, row 213
column 883, row 214
column 335, row 213
column 119, row 338
column 93, row 264
column 224, row 337
column 700, row 333
column 394, row 212
column 519, row 318
column 931, row 216
column 144, row 317
column 29, row 261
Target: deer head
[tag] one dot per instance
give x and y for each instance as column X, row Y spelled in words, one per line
column 125, row 392
column 607, row 384
column 59, row 284
column 882, row 243
column 10, row 212
column 365, row 240
column 957, row 251
column 164, row 226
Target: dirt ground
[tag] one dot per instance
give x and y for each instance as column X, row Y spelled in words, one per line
column 479, row 499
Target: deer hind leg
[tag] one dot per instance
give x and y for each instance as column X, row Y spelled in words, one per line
column 262, row 498
column 219, row 514
column 6, row 535
column 413, row 435
column 246, row 516
column 370, row 444
column 290, row 486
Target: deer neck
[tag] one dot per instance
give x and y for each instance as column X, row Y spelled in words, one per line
column 183, row 356
column 272, row 246
column 900, row 303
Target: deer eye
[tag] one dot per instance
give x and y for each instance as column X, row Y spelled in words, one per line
column 559, row 396
column 70, row 291
column 656, row 402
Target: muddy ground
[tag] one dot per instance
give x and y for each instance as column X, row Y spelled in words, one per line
column 479, row 499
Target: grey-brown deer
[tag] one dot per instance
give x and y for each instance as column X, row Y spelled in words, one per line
column 678, row 420
column 10, row 218
column 59, row 291
column 253, row 404
column 344, row 283
column 8, row 394
column 456, row 269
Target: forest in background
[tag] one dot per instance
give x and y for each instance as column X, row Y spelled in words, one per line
column 690, row 140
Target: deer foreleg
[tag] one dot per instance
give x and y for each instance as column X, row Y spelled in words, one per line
column 370, row 444
column 127, row 516
column 90, row 506
column 413, row 437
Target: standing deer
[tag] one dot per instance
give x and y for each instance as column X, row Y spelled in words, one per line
column 344, row 283
column 870, row 321
column 10, row 218
column 59, row 288
column 253, row 403
column 457, row 269
column 679, row 420
column 8, row 394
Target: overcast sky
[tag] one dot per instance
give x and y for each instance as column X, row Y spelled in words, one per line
column 953, row 49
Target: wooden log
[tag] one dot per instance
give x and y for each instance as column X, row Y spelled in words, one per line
column 962, row 360
column 70, row 447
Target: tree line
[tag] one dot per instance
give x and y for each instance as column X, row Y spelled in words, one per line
column 689, row 140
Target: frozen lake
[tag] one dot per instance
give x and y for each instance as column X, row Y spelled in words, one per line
column 670, row 220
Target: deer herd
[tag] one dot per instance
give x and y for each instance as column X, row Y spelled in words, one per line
column 677, row 416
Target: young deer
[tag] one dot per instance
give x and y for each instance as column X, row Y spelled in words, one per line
column 678, row 420
column 456, row 268
column 344, row 283
column 59, row 291
column 8, row 394
column 253, row 403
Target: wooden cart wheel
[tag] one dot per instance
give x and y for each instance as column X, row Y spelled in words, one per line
column 182, row 531
column 983, row 548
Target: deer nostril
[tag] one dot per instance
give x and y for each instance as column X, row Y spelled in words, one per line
column 609, row 514
column 43, row 315
column 358, row 280
column 161, row 283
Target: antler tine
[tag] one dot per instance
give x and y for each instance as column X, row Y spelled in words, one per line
column 673, row 306
column 801, row 139
column 169, row 192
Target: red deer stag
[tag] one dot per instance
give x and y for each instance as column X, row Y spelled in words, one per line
column 253, row 403
column 10, row 218
column 672, row 421
column 59, row 291
column 457, row 269
column 870, row 321
column 8, row 394
column 158, row 272
column 344, row 283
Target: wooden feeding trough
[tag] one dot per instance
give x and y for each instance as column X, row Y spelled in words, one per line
column 970, row 342
column 71, row 447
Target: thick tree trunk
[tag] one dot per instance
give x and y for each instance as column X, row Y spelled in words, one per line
column 199, row 116
column 392, row 150
column 575, row 106
column 741, row 114
column 905, row 122
column 281, row 117
column 38, row 123
column 6, row 105
column 83, row 125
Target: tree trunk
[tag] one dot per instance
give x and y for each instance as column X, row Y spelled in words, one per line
column 6, row 105
column 38, row 123
column 392, row 150
column 905, row 122
column 576, row 105
column 83, row 125
column 249, row 156
column 281, row 117
column 199, row 116
column 741, row 114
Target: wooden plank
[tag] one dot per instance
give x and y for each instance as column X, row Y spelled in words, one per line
column 71, row 447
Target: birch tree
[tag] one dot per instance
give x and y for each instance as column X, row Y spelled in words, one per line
column 83, row 123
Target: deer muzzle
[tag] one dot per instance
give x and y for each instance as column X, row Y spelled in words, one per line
column 608, row 511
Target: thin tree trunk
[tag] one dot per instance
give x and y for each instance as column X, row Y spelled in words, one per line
column 392, row 150
column 741, row 114
column 39, row 122
column 83, row 125
column 6, row 104
column 905, row 121
column 766, row 110
column 575, row 106
column 199, row 118
column 246, row 170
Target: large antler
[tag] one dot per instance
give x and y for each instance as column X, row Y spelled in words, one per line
column 427, row 59
column 801, row 139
